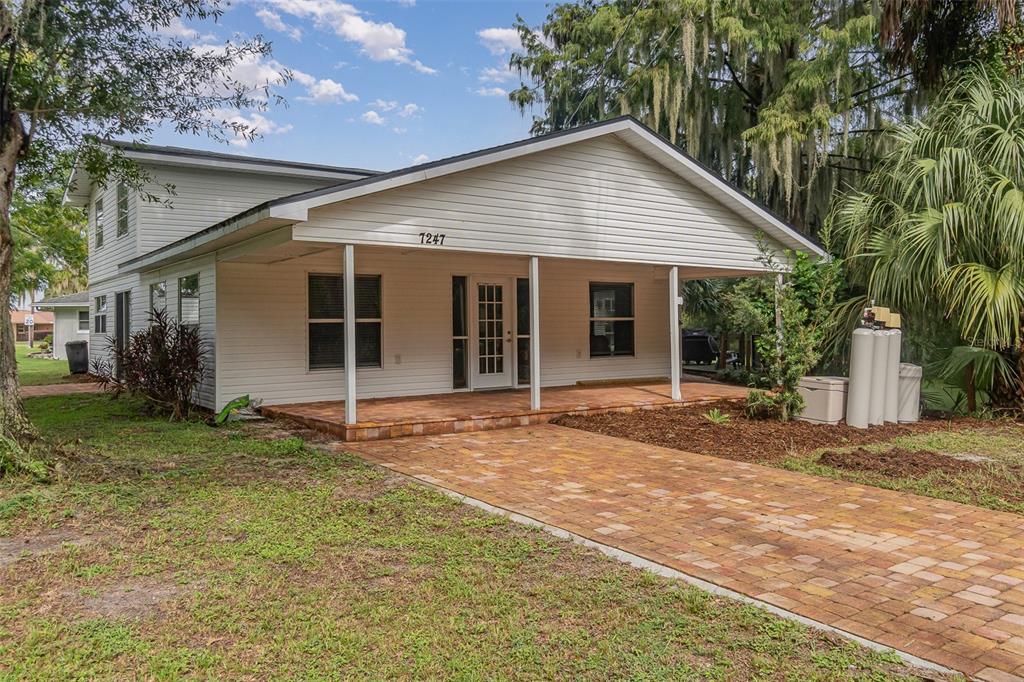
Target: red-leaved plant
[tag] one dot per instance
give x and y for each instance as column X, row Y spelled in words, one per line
column 163, row 364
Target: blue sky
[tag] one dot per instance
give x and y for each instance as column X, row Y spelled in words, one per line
column 377, row 85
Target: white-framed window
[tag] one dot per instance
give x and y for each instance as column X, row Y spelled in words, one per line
column 612, row 324
column 188, row 299
column 157, row 297
column 98, row 212
column 100, row 319
column 122, row 209
column 325, row 316
column 83, row 320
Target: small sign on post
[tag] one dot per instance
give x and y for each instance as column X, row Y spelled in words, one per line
column 30, row 322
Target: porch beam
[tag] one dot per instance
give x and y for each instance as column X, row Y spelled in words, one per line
column 534, row 333
column 673, row 330
column 350, row 333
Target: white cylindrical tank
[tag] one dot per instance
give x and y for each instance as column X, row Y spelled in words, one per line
column 879, row 367
column 858, row 397
column 892, row 376
column 910, row 393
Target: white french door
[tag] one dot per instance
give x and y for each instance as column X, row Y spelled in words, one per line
column 492, row 308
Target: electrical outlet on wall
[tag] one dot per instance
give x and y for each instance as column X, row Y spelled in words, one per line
column 398, row 358
column 579, row 353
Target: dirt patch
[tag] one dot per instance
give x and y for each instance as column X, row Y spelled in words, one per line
column 686, row 428
column 16, row 549
column 129, row 600
column 900, row 463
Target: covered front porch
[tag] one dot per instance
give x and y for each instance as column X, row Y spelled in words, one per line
column 382, row 418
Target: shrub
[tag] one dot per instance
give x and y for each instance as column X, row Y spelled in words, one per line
column 716, row 416
column 779, row 404
column 162, row 364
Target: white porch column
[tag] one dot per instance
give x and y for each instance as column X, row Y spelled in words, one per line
column 534, row 333
column 350, row 333
column 673, row 330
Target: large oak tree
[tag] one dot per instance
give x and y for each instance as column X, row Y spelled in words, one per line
column 76, row 72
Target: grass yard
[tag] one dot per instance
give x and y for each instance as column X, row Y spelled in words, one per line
column 40, row 371
column 170, row 550
column 972, row 461
column 983, row 466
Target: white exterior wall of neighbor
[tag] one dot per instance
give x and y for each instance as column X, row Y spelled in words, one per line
column 598, row 199
column 65, row 328
column 262, row 327
column 205, row 267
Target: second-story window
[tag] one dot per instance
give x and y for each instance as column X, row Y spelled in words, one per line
column 122, row 209
column 99, row 223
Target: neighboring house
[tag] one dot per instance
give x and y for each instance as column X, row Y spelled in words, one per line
column 42, row 325
column 539, row 263
column 70, row 316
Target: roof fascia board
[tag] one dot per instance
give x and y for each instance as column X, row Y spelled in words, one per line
column 298, row 209
column 157, row 158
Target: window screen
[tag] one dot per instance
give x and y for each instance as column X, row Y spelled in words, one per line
column 611, row 320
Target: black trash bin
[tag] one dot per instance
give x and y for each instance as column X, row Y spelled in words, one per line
column 78, row 356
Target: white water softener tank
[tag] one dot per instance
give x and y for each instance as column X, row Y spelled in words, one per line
column 879, row 368
column 892, row 376
column 858, row 398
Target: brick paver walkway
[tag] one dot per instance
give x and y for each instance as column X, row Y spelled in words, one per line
column 60, row 389
column 940, row 580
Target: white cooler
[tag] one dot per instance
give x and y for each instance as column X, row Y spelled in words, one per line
column 824, row 399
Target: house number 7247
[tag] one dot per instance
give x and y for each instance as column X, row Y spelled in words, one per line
column 433, row 238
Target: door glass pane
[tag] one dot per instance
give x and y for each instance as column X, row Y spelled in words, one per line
column 523, row 360
column 459, row 363
column 459, row 327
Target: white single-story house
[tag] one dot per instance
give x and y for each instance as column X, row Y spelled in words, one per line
column 541, row 263
column 70, row 320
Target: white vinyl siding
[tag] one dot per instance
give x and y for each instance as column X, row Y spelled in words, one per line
column 598, row 199
column 205, row 197
column 261, row 325
column 103, row 260
column 172, row 275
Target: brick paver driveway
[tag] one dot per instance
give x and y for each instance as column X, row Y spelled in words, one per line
column 936, row 579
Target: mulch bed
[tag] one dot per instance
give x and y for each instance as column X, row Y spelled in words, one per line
column 899, row 462
column 765, row 441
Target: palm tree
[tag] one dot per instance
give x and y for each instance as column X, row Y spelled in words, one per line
column 937, row 229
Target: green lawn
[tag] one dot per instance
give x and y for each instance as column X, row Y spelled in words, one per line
column 169, row 550
column 39, row 371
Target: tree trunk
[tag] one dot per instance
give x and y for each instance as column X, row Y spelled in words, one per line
column 723, row 350
column 972, row 393
column 14, row 423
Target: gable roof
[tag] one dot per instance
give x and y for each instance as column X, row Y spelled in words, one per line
column 76, row 300
column 77, row 191
column 295, row 208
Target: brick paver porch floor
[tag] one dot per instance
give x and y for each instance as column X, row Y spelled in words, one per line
column 485, row 410
column 940, row 580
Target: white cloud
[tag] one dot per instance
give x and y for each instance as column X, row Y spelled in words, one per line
column 272, row 20
column 254, row 121
column 176, row 29
column 497, row 75
column 410, row 109
column 399, row 131
column 326, row 91
column 500, row 40
column 492, row 92
column 406, row 3
column 384, row 105
column 373, row 117
column 420, row 158
column 381, row 42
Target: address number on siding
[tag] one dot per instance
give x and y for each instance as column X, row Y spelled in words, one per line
column 432, row 238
